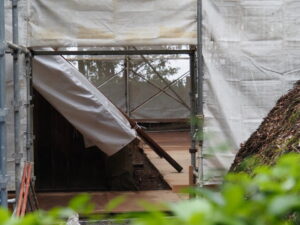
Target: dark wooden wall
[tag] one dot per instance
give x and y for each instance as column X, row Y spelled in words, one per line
column 61, row 160
column 62, row 163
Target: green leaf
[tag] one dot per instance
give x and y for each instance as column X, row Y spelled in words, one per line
column 115, row 203
column 281, row 205
column 82, row 204
column 188, row 210
column 4, row 215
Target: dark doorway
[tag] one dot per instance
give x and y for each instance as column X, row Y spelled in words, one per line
column 62, row 163
column 61, row 160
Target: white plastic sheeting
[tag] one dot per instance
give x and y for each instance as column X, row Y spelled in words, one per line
column 251, row 53
column 149, row 97
column 67, row 90
column 111, row 22
column 252, row 57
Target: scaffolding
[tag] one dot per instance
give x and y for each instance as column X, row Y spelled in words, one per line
column 196, row 94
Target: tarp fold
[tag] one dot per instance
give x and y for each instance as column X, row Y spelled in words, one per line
column 88, row 110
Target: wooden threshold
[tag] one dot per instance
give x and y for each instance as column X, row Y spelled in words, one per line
column 132, row 201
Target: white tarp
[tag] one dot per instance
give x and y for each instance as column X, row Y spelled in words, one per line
column 66, row 89
column 111, row 22
column 251, row 52
column 252, row 57
column 149, row 98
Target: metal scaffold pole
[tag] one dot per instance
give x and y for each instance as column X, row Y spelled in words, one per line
column 29, row 123
column 200, row 114
column 112, row 52
column 193, row 92
column 126, row 78
column 3, row 153
column 16, row 87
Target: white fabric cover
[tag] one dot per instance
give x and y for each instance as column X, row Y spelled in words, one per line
column 252, row 57
column 66, row 89
column 111, row 22
column 251, row 53
column 160, row 107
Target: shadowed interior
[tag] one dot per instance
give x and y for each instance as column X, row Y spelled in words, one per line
column 62, row 163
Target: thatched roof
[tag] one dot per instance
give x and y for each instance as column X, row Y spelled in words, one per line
column 278, row 134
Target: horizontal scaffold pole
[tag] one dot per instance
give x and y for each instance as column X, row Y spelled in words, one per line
column 113, row 52
column 18, row 48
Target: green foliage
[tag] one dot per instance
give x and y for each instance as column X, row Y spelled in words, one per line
column 115, row 203
column 197, row 123
column 250, row 163
column 80, row 204
column 269, row 196
column 294, row 117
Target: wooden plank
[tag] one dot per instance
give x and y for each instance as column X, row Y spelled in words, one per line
column 100, row 200
column 177, row 145
column 153, row 145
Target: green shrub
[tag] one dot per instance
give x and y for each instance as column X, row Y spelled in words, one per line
column 269, row 196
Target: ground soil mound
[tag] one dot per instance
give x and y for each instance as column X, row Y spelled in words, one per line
column 278, row 134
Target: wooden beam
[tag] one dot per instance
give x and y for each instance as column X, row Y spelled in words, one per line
column 154, row 146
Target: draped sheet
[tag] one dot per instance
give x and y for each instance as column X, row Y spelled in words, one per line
column 85, row 107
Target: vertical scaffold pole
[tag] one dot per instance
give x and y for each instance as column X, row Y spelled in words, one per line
column 193, row 92
column 126, row 79
column 3, row 153
column 200, row 114
column 29, row 122
column 17, row 103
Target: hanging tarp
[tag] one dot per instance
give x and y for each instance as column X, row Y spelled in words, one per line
column 111, row 22
column 89, row 111
column 252, row 57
